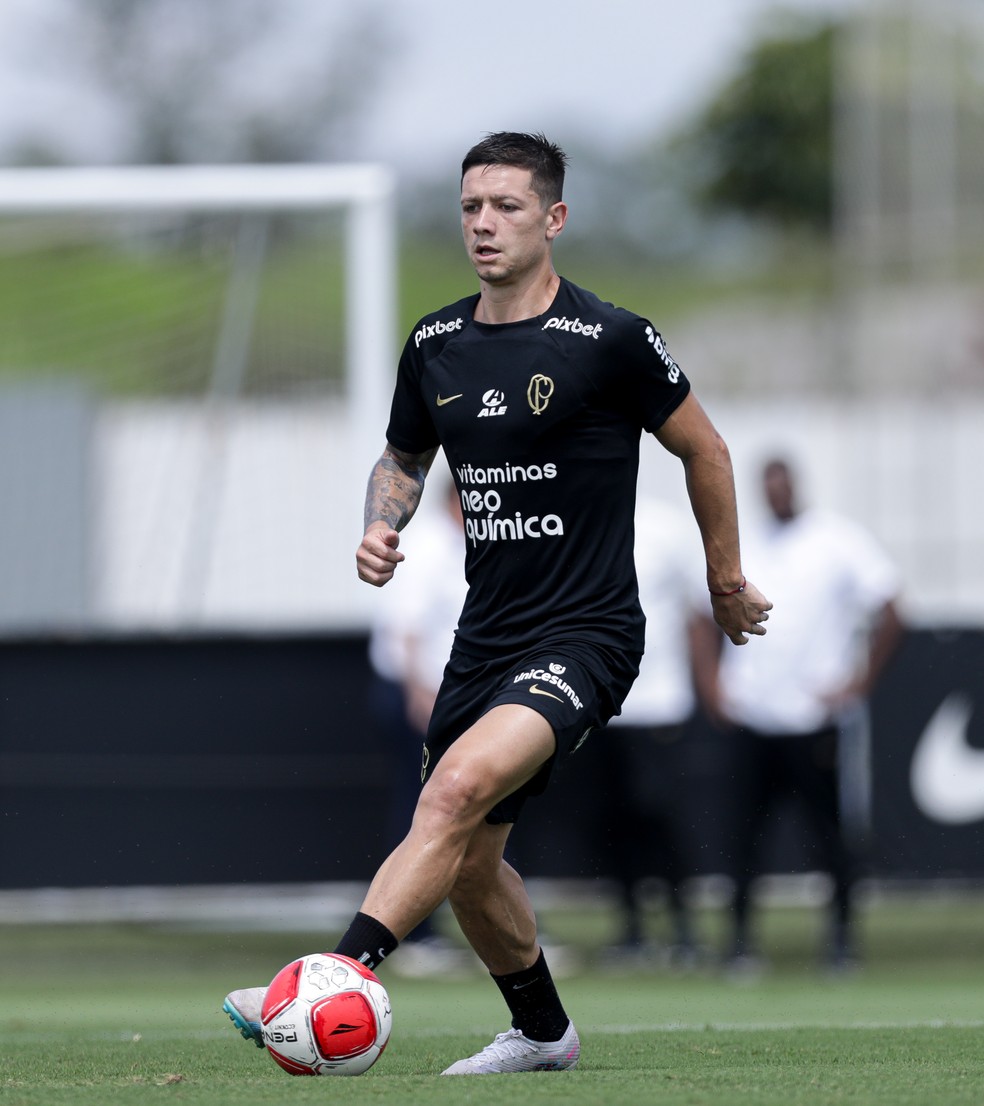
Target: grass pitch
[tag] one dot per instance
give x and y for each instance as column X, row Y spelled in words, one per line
column 131, row 1014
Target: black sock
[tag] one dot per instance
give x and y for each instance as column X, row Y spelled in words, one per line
column 533, row 1002
column 367, row 941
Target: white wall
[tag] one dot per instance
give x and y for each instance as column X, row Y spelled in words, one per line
column 250, row 518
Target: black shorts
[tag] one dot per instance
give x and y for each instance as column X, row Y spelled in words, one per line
column 576, row 686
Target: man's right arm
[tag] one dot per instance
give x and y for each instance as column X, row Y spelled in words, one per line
column 392, row 496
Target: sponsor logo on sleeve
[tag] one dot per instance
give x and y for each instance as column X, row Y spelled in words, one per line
column 655, row 339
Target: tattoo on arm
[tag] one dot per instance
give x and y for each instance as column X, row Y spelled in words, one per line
column 395, row 486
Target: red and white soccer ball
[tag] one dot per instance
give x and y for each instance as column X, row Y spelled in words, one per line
column 326, row 1014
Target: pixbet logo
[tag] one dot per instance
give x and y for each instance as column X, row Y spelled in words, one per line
column 656, row 341
column 574, row 326
column 435, row 328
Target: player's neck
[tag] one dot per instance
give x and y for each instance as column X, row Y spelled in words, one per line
column 513, row 303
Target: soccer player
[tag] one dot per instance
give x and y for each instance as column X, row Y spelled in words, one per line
column 538, row 392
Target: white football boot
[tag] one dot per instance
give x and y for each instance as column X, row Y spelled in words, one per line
column 245, row 1008
column 512, row 1052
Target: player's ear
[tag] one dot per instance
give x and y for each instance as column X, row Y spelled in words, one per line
column 556, row 218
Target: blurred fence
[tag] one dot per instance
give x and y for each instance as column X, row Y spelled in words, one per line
column 150, row 761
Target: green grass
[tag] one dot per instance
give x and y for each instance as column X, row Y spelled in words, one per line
column 435, row 273
column 148, row 323
column 130, row 1014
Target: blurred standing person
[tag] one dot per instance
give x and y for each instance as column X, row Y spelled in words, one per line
column 432, row 601
column 645, row 770
column 836, row 625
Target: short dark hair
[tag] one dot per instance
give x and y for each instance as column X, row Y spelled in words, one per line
column 546, row 161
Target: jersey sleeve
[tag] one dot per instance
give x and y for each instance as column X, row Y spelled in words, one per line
column 411, row 427
column 649, row 379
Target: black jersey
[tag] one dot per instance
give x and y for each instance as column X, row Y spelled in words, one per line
column 540, row 421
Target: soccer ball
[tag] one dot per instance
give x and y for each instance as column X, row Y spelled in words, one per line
column 326, row 1014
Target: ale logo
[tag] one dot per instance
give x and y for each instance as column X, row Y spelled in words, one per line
column 494, row 402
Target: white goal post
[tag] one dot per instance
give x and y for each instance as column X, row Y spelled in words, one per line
column 367, row 191
column 219, row 499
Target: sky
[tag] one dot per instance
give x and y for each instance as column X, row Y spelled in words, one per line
column 612, row 73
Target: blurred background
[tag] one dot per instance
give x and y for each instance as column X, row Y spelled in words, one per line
column 194, row 379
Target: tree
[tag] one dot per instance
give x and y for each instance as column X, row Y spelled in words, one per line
column 763, row 146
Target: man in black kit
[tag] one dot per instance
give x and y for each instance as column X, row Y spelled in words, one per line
column 538, row 393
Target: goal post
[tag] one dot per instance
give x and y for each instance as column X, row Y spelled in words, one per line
column 365, row 190
column 222, row 342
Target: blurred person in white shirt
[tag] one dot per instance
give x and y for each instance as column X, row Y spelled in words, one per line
column 409, row 645
column 835, row 625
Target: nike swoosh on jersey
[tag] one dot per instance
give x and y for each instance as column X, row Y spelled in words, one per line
column 534, row 690
column 947, row 774
column 441, row 400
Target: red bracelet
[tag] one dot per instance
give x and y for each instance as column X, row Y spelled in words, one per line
column 734, row 591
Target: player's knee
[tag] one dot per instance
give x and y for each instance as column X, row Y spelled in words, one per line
column 451, row 800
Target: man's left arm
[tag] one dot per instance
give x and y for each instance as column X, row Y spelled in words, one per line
column 739, row 607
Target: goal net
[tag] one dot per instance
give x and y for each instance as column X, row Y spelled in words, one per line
column 195, row 368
